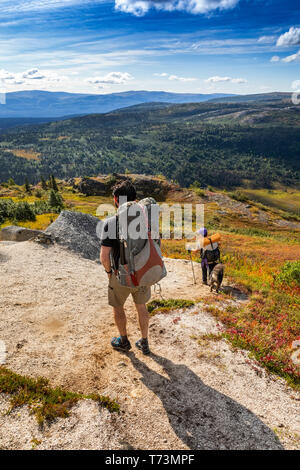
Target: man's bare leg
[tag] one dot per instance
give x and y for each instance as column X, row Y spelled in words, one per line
column 121, row 343
column 120, row 320
column 143, row 315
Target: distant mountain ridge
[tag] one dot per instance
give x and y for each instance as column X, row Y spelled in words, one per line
column 7, row 123
column 274, row 96
column 46, row 104
column 223, row 145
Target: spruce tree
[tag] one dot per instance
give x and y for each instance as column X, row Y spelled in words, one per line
column 54, row 184
column 44, row 184
column 27, row 185
column 11, row 182
column 52, row 201
column 55, row 201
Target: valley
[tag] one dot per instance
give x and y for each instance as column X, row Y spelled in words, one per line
column 252, row 144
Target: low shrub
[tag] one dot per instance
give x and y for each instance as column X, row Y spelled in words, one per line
column 24, row 211
column 7, row 207
column 156, row 306
column 41, row 207
column 46, row 403
column 238, row 196
column 290, row 273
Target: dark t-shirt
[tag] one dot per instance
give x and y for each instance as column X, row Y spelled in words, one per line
column 109, row 238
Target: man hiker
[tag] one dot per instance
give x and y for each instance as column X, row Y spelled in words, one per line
column 118, row 293
column 210, row 256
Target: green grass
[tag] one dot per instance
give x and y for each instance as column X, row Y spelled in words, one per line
column 211, row 337
column 280, row 203
column 263, row 233
column 160, row 306
column 45, row 402
column 289, row 274
column 288, row 200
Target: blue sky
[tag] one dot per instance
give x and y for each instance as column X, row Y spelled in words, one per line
column 199, row 46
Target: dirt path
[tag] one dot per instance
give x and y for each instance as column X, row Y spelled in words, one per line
column 56, row 323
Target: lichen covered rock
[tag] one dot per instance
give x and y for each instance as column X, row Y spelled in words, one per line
column 77, row 232
column 15, row 233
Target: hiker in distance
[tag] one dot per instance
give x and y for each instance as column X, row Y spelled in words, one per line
column 210, row 256
column 132, row 263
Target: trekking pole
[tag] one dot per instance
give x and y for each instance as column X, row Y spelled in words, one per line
column 158, row 290
column 189, row 251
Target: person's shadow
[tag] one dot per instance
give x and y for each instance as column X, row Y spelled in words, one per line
column 202, row 417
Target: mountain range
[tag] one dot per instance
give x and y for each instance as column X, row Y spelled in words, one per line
column 46, row 104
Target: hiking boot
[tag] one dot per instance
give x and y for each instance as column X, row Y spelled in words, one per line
column 143, row 345
column 120, row 345
column 204, row 283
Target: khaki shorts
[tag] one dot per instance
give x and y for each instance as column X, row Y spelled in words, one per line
column 118, row 294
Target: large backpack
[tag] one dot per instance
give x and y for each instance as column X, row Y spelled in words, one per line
column 141, row 262
column 213, row 255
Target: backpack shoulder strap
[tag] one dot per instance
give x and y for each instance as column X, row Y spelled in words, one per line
column 212, row 247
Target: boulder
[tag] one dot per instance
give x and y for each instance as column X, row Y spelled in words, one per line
column 77, row 232
column 92, row 187
column 18, row 234
column 145, row 185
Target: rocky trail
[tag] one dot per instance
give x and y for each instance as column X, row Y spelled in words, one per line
column 55, row 322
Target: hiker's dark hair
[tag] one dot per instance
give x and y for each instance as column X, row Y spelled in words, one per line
column 125, row 188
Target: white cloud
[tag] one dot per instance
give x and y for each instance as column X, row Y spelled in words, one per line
column 45, row 77
column 196, row 7
column 291, row 38
column 239, row 80
column 5, row 75
column 218, row 79
column 112, row 78
column 289, row 58
column 181, row 79
column 7, row 6
column 8, row 78
column 266, row 39
column 292, row 58
column 161, row 74
column 175, row 77
column 135, row 7
column 33, row 74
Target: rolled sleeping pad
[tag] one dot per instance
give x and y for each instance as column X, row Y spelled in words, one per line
column 203, row 241
column 214, row 238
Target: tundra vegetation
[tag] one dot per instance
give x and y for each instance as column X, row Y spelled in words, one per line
column 259, row 259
